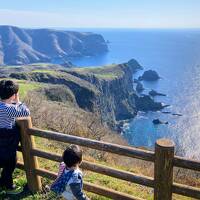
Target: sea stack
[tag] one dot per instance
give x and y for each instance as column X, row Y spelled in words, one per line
column 149, row 75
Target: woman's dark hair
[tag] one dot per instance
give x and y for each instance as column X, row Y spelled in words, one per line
column 72, row 156
column 8, row 88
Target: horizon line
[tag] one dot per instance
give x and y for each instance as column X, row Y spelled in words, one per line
column 61, row 27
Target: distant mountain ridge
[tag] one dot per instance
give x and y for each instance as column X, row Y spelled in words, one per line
column 24, row 46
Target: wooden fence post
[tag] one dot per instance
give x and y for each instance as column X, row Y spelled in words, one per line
column 30, row 161
column 163, row 169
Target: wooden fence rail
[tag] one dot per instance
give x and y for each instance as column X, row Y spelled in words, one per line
column 163, row 159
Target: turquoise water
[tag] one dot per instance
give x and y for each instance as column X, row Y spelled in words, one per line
column 175, row 55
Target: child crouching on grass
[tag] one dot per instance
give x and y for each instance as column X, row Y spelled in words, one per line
column 69, row 183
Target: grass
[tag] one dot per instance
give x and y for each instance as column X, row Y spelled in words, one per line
column 112, row 71
column 94, row 68
column 41, row 64
column 105, row 181
column 106, row 76
column 105, row 72
column 95, row 178
column 44, row 71
column 25, row 87
column 91, row 177
column 118, row 185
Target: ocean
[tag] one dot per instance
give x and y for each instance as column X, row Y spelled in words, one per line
column 175, row 55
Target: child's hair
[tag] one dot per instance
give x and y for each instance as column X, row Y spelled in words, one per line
column 8, row 88
column 72, row 156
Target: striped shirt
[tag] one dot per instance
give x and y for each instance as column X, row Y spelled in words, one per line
column 9, row 113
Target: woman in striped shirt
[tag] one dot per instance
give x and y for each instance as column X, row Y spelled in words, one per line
column 10, row 109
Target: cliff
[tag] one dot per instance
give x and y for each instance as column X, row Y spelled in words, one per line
column 115, row 84
column 23, row 46
column 106, row 90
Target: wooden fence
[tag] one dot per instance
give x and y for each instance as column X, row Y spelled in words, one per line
column 163, row 158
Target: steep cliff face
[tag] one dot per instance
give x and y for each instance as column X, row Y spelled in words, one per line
column 117, row 97
column 117, row 100
column 23, row 46
column 106, row 90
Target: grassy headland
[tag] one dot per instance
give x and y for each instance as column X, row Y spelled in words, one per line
column 53, row 97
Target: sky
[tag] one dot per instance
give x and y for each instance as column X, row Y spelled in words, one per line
column 101, row 13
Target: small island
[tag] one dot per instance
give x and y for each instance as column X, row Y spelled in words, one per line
column 149, row 75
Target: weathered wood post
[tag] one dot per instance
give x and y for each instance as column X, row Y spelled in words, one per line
column 163, row 169
column 30, row 161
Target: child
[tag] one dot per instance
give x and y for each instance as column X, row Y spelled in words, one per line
column 10, row 109
column 69, row 182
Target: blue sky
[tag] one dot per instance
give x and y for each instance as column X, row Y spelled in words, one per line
column 101, row 13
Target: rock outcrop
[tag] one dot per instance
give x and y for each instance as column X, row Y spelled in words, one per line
column 146, row 103
column 149, row 75
column 158, row 121
column 154, row 93
column 139, row 87
column 23, row 46
column 115, row 83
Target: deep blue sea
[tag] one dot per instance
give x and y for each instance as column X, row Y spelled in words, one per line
column 175, row 55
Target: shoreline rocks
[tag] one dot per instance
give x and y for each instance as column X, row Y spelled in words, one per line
column 146, row 103
column 174, row 114
column 139, row 87
column 158, row 121
column 154, row 93
column 133, row 62
column 177, row 114
column 166, row 112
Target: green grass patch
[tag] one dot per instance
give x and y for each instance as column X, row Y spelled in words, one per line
column 95, row 68
column 106, row 76
column 41, row 64
column 119, row 185
column 44, row 71
column 25, row 87
column 105, row 72
column 95, row 178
